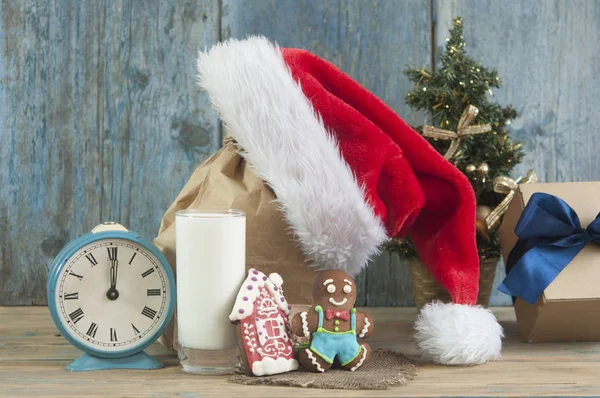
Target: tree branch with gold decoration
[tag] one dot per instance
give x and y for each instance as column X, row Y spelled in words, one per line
column 450, row 95
column 464, row 129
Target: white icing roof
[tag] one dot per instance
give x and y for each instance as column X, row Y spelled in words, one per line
column 250, row 290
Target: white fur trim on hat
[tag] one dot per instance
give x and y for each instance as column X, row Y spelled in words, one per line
column 287, row 145
column 457, row 334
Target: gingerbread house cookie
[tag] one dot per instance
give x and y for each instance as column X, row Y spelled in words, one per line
column 261, row 315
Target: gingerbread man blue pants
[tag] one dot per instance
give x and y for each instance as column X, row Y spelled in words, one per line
column 328, row 345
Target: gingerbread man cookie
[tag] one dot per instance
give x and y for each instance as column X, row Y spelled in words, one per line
column 333, row 325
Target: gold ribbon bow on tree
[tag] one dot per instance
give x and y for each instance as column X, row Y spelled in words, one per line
column 464, row 128
column 508, row 186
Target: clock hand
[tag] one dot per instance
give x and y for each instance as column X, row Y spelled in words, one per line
column 112, row 293
column 114, row 267
column 116, row 272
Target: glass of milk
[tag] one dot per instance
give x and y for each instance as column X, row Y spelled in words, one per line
column 210, row 267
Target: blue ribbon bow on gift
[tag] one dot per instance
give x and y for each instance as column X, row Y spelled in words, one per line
column 550, row 236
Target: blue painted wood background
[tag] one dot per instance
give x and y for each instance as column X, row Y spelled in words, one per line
column 100, row 116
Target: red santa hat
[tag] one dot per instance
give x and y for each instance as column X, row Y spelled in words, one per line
column 348, row 174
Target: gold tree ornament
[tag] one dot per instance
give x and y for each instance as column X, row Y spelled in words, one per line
column 483, row 169
column 464, row 128
column 482, row 230
column 482, row 212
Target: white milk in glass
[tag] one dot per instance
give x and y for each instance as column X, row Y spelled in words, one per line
column 211, row 255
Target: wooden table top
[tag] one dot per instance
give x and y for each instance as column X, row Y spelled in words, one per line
column 33, row 357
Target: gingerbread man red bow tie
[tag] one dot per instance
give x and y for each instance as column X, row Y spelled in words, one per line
column 343, row 315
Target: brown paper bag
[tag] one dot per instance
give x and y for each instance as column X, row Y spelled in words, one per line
column 226, row 181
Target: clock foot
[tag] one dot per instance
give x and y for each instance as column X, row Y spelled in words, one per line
column 87, row 362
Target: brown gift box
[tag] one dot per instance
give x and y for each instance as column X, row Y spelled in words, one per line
column 226, row 181
column 569, row 307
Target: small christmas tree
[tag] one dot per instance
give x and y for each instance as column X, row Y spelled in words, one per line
column 445, row 94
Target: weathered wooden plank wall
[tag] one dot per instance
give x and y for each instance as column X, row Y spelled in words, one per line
column 100, row 117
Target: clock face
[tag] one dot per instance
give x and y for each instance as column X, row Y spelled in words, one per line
column 112, row 295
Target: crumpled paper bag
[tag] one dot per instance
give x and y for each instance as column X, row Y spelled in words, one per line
column 225, row 181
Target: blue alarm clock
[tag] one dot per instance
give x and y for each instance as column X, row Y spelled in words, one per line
column 111, row 294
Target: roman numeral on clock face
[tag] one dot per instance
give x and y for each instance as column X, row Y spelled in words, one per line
column 92, row 330
column 75, row 275
column 149, row 312
column 76, row 315
column 113, row 334
column 135, row 330
column 92, row 259
column 132, row 257
column 71, row 296
column 112, row 253
column 153, row 292
column 145, row 274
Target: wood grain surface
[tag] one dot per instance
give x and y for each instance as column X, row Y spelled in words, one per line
column 101, row 118
column 33, row 357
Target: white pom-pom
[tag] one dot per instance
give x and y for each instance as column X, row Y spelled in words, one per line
column 457, row 334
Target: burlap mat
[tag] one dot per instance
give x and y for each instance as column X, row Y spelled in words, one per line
column 384, row 369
